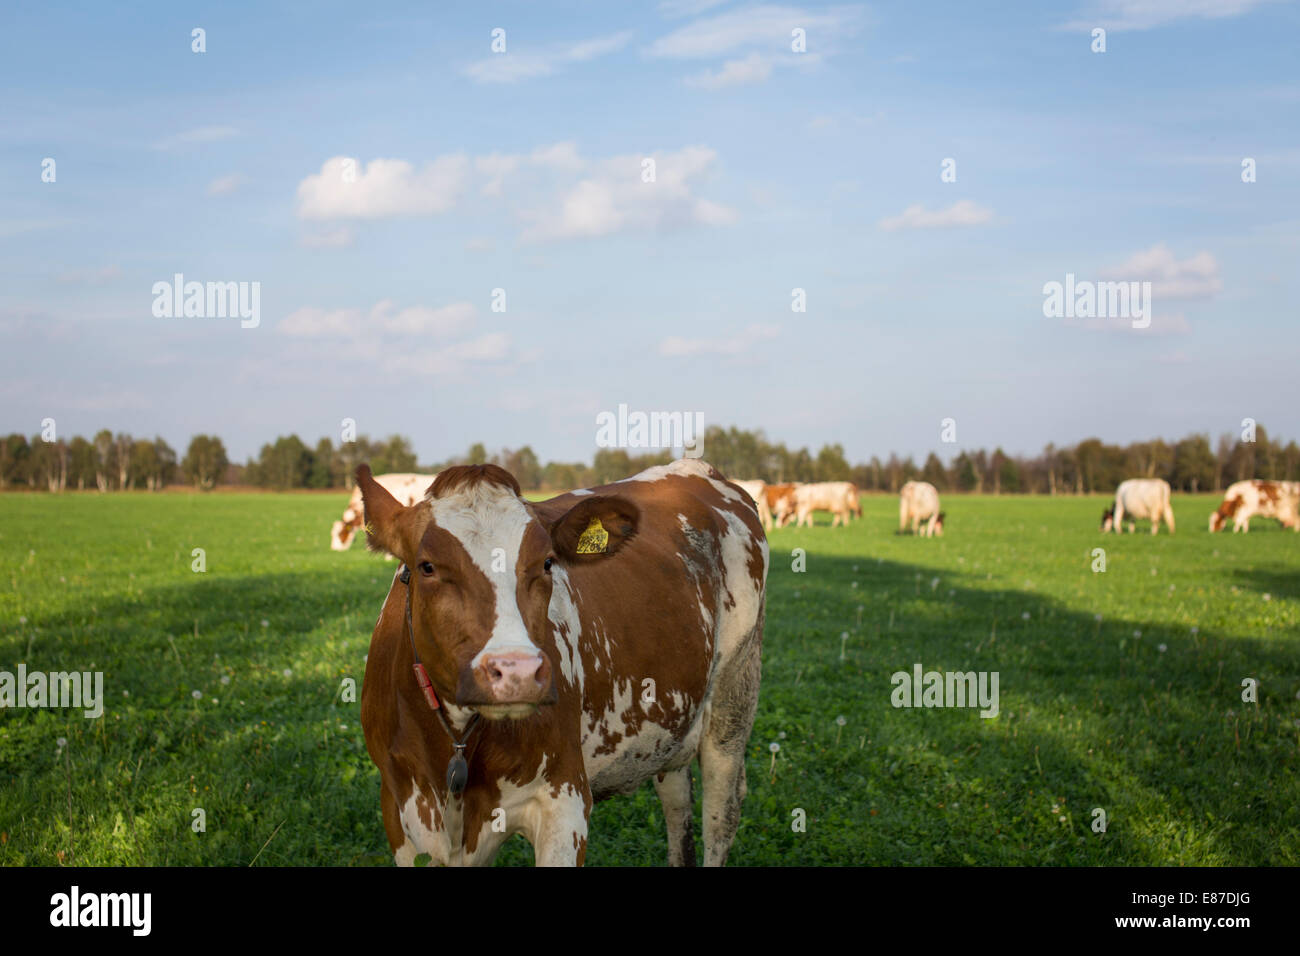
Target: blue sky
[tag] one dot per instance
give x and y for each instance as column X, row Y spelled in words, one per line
column 775, row 170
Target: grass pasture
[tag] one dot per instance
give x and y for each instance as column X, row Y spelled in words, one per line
column 1118, row 690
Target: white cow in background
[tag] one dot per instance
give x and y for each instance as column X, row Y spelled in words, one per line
column 758, row 491
column 1140, row 498
column 406, row 488
column 840, row 498
column 918, row 502
column 1256, row 498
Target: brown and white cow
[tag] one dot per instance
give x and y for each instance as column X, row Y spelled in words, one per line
column 757, row 490
column 577, row 647
column 918, row 501
column 840, row 498
column 780, row 502
column 1258, row 498
column 1140, row 498
column 406, row 488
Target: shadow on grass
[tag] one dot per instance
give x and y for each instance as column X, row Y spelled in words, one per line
column 1151, row 729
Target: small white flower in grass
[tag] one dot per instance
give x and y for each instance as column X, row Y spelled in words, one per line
column 343, row 726
column 1025, row 615
column 1137, row 633
column 1171, row 587
column 1153, row 572
column 126, row 693
column 287, row 672
column 934, row 583
column 781, row 735
column 22, row 620
column 776, row 749
column 196, row 694
column 215, row 701
column 839, row 727
column 225, row 678
column 1162, row 647
column 855, row 568
column 1267, row 596
column 1195, row 629
column 265, row 622
column 855, row 584
column 62, row 742
column 1061, row 818
column 1097, row 618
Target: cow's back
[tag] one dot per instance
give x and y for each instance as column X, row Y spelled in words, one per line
column 658, row 622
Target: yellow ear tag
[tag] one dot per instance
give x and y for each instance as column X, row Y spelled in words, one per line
column 595, row 540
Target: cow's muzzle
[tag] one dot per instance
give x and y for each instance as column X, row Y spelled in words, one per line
column 508, row 684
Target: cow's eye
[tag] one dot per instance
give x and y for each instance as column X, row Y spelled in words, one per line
column 426, row 568
column 547, row 566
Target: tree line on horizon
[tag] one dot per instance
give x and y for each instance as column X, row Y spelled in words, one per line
column 115, row 462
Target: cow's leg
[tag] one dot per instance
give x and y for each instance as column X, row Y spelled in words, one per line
column 561, row 837
column 722, row 748
column 674, row 789
column 1119, row 516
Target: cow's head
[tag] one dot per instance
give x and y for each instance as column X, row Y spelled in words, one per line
column 340, row 536
column 938, row 523
column 482, row 568
column 1108, row 518
column 1224, row 512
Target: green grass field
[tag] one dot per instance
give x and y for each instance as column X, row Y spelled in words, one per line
column 1119, row 690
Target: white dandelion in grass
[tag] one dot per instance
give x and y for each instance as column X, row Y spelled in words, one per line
column 1195, row 630
column 1025, row 615
column 781, row 735
column 840, row 721
column 1162, row 647
column 775, row 748
column 22, row 620
column 215, row 701
column 1137, row 633
column 287, row 672
column 1097, row 618
column 196, row 694
column 1267, row 596
column 225, row 678
column 62, row 742
column 265, row 622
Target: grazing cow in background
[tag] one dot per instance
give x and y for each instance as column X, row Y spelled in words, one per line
column 535, row 657
column 840, row 498
column 1140, row 498
column 757, row 490
column 918, row 501
column 1258, row 498
column 406, row 488
column 780, row 502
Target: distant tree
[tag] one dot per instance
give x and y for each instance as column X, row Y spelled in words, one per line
column 1194, row 466
column 205, row 461
column 14, row 454
column 122, row 445
column 477, row 454
column 81, row 462
column 611, row 464
column 523, row 464
column 324, row 470
column 831, row 464
column 394, row 454
column 935, row 473
column 103, row 443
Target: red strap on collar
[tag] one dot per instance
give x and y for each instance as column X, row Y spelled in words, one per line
column 426, row 685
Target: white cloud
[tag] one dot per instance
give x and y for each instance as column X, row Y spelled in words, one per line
column 612, row 198
column 1121, row 15
column 675, row 346
column 766, row 27
column 191, row 137
column 1196, row 277
column 386, row 188
column 383, row 318
column 510, row 67
column 754, row 68
column 961, row 213
column 225, row 185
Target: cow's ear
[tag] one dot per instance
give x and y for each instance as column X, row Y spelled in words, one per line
column 594, row 528
column 390, row 527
